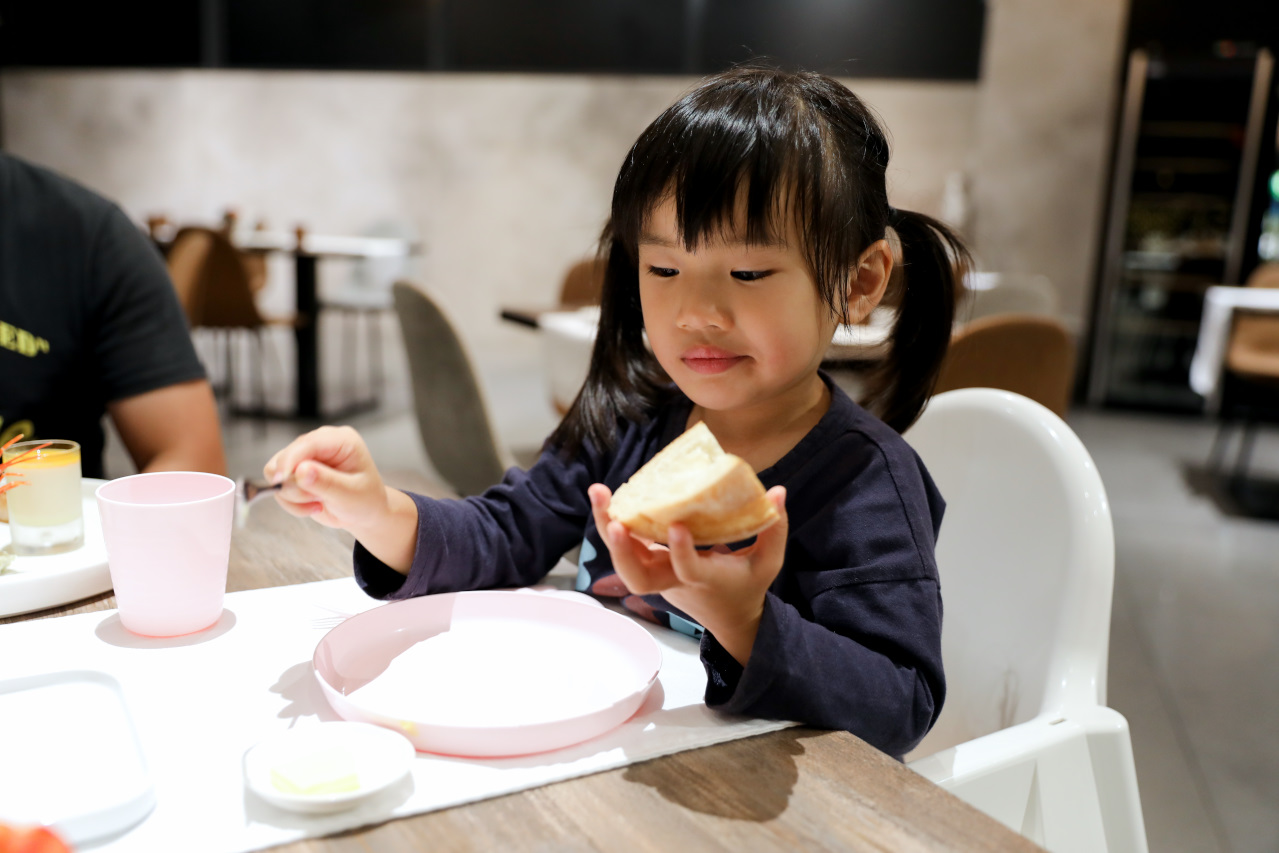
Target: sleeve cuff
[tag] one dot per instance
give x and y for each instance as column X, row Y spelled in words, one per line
column 732, row 688
column 376, row 578
column 379, row 580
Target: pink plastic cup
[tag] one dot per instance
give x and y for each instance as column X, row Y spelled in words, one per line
column 168, row 541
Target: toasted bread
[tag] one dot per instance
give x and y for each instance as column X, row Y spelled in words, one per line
column 693, row 481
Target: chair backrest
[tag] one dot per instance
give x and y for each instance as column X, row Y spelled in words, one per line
column 988, row 293
column 1026, row 557
column 583, row 283
column 452, row 416
column 256, row 269
column 212, row 281
column 1030, row 355
column 1254, row 340
column 186, row 259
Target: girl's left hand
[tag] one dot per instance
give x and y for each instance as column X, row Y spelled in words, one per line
column 724, row 592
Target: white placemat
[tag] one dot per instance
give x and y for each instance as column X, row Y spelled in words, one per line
column 199, row 703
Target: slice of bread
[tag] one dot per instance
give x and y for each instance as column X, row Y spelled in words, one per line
column 693, row 481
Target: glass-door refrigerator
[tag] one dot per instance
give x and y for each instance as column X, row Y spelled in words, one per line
column 1188, row 208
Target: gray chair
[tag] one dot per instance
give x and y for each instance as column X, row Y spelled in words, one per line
column 452, row 415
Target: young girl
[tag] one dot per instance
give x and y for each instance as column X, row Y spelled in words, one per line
column 748, row 221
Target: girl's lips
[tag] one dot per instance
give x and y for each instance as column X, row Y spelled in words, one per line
column 710, row 360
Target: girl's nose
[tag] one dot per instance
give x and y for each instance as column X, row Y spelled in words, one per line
column 702, row 306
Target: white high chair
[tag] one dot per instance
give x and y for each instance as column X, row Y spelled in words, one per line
column 1026, row 555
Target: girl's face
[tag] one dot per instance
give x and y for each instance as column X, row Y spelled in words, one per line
column 739, row 328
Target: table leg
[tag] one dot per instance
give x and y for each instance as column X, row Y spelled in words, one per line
column 307, row 334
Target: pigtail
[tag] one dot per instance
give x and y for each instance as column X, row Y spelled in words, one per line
column 933, row 264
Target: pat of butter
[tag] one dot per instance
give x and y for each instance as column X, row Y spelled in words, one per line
column 325, row 771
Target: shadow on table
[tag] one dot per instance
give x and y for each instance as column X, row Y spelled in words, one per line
column 767, row 778
column 112, row 631
column 302, row 693
column 1249, row 496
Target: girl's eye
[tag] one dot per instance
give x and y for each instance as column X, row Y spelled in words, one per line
column 750, row 275
column 663, row 272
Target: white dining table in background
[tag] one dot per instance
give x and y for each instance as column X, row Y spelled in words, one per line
column 307, row 249
column 1220, row 303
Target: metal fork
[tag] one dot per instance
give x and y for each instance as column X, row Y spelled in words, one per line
column 248, row 492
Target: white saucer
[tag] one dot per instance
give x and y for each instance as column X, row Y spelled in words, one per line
column 380, row 758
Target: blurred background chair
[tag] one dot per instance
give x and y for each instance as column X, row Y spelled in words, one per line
column 186, row 257
column 989, row 293
column 1026, row 556
column 1030, row 355
column 583, row 283
column 215, row 289
column 452, row 413
column 1250, row 378
column 255, row 265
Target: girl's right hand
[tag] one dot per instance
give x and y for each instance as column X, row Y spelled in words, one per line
column 329, row 475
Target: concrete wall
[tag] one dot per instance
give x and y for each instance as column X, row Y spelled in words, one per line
column 1050, row 83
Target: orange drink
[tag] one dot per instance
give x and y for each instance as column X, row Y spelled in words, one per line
column 46, row 513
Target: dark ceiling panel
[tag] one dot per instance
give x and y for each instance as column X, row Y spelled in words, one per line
column 338, row 34
column 645, row 36
column 939, row 39
column 138, row 33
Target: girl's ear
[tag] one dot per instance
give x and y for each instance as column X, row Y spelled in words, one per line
column 869, row 281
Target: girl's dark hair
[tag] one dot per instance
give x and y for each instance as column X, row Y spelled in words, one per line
column 794, row 147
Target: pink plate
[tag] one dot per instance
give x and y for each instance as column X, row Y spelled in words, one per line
column 488, row 673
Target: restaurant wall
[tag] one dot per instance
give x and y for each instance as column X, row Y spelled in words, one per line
column 1043, row 127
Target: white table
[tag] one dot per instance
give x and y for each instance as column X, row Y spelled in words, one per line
column 1220, row 303
column 329, row 245
column 307, row 249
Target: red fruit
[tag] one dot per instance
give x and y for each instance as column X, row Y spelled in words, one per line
column 30, row 839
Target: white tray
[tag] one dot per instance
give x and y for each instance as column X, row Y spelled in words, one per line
column 72, row 759
column 34, row 583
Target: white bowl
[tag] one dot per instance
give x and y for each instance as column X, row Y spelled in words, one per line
column 381, row 758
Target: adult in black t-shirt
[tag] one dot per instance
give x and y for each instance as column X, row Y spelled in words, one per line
column 90, row 324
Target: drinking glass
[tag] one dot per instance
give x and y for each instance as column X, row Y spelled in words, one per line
column 46, row 512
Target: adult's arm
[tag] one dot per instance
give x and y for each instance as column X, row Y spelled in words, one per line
column 174, row 428
column 153, row 384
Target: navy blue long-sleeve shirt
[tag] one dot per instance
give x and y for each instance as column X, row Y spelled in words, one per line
column 851, row 633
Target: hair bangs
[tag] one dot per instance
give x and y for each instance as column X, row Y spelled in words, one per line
column 735, row 168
